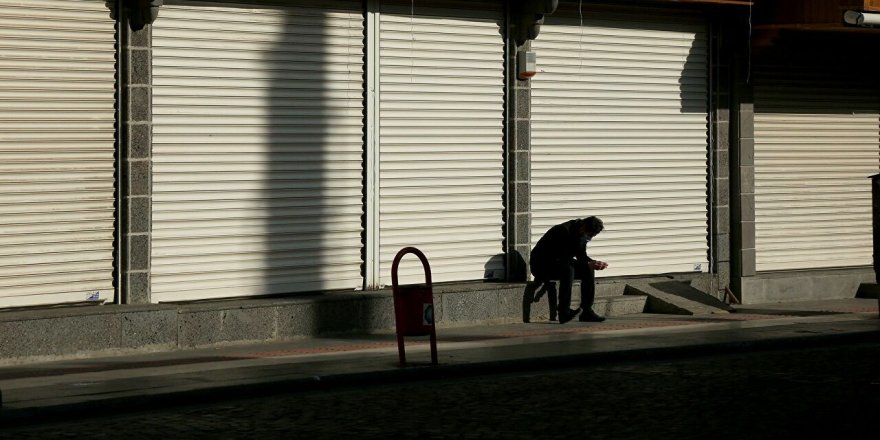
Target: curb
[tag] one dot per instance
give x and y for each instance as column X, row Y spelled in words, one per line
column 129, row 404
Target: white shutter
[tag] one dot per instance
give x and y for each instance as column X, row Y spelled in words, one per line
column 619, row 130
column 817, row 140
column 257, row 149
column 441, row 103
column 57, row 86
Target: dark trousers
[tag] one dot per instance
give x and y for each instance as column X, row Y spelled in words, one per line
column 566, row 272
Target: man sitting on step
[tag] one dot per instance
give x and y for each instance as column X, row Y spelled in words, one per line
column 561, row 254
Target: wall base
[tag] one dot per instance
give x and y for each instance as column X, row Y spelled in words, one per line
column 767, row 287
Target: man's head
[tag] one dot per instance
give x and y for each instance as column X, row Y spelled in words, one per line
column 592, row 226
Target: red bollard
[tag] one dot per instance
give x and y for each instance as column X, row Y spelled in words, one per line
column 413, row 306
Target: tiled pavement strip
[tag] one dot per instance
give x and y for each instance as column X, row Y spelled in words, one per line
column 139, row 380
column 615, row 324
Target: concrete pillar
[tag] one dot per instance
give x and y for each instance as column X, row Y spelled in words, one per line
column 518, row 205
column 742, row 165
column 720, row 63
column 136, row 146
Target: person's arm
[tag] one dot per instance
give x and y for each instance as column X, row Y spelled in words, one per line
column 581, row 254
column 583, row 258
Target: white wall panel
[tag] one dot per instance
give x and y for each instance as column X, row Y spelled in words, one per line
column 817, row 139
column 441, row 89
column 57, row 87
column 619, row 130
column 257, row 149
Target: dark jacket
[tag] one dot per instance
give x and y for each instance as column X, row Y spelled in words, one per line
column 560, row 244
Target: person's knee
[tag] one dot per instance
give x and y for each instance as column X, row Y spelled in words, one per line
column 585, row 273
column 589, row 273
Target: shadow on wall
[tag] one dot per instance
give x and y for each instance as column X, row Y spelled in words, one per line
column 845, row 73
column 533, row 293
column 314, row 137
column 257, row 148
column 314, row 178
column 817, row 138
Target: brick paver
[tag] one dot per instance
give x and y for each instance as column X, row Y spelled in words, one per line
column 831, row 392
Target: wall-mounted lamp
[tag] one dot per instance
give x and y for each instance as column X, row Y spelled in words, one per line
column 863, row 19
column 526, row 64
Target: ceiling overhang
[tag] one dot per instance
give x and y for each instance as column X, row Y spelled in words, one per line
column 773, row 16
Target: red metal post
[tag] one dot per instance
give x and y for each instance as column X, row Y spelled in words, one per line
column 413, row 306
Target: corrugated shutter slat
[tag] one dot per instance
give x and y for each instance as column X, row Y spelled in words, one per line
column 257, row 149
column 817, row 139
column 57, row 89
column 619, row 130
column 441, row 139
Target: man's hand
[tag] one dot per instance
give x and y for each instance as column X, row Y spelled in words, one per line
column 597, row 265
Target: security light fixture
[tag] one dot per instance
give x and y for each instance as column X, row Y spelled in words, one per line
column 864, row 19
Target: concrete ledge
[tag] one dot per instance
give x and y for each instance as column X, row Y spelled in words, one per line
column 621, row 305
column 811, row 285
column 37, row 335
column 54, row 333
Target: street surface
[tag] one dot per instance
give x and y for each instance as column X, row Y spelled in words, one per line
column 831, row 392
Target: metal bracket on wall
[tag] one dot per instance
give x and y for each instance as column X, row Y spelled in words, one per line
column 142, row 12
column 528, row 15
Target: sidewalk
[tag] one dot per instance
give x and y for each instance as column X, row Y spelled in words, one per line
column 89, row 387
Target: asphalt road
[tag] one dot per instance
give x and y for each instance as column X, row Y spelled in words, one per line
column 831, row 392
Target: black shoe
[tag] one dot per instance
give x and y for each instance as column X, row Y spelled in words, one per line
column 590, row 316
column 567, row 315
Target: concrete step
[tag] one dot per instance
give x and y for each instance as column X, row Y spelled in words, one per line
column 39, row 335
column 676, row 298
column 620, row 305
column 610, row 301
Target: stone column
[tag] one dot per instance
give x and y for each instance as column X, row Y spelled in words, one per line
column 721, row 64
column 136, row 147
column 518, row 205
column 742, row 165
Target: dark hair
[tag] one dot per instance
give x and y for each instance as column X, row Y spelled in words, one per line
column 593, row 224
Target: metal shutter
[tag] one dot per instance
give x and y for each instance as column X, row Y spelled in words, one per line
column 441, row 103
column 620, row 130
column 57, row 86
column 817, row 139
column 257, row 149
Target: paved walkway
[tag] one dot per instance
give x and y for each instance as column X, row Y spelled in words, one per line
column 98, row 385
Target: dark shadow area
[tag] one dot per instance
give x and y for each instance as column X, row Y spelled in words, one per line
column 840, row 61
column 780, row 312
column 315, row 195
column 685, row 291
column 533, row 292
column 817, row 138
column 31, row 371
column 491, row 271
column 517, row 268
column 267, row 107
column 261, row 126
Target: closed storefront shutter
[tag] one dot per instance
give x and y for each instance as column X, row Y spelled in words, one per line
column 57, row 86
column 817, row 139
column 441, row 103
column 620, row 131
column 257, row 149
